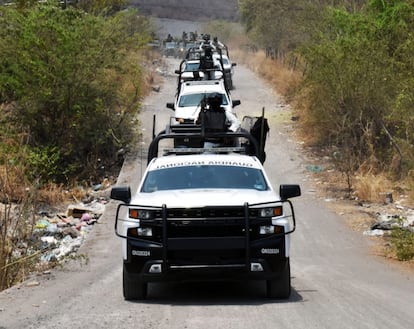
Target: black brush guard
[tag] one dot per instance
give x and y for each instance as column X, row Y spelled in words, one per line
column 192, row 131
column 243, row 242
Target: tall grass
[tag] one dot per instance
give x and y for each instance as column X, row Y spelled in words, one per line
column 282, row 79
column 17, row 216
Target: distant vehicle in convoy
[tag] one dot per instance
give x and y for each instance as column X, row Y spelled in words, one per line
column 191, row 95
column 154, row 44
column 184, row 47
column 213, row 52
column 228, row 68
column 170, row 49
column 191, row 70
column 205, row 214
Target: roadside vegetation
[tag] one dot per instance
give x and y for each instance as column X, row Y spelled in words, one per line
column 346, row 65
column 71, row 82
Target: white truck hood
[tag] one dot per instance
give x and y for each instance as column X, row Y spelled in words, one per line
column 193, row 198
column 188, row 112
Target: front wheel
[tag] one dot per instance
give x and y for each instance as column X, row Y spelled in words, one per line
column 134, row 288
column 280, row 288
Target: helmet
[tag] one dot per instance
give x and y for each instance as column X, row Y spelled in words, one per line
column 214, row 100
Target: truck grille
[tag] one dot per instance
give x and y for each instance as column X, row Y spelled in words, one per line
column 205, row 222
column 208, row 212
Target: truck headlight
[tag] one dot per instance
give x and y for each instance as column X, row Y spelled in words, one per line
column 144, row 231
column 140, row 231
column 271, row 212
column 270, row 229
column 141, row 214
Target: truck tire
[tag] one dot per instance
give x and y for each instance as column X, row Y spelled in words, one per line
column 133, row 288
column 230, row 83
column 280, row 288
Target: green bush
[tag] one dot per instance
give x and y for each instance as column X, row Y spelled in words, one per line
column 74, row 80
column 360, row 85
column 402, row 242
column 43, row 164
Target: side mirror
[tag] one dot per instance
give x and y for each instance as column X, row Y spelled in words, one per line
column 233, row 64
column 289, row 191
column 177, row 71
column 122, row 193
column 170, row 106
column 236, row 102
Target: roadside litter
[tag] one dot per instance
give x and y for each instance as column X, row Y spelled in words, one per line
column 59, row 235
column 385, row 223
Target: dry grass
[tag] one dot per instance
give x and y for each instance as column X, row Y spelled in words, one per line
column 52, row 194
column 13, row 187
column 281, row 78
column 372, row 188
column 149, row 60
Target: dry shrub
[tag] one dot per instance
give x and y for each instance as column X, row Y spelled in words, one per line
column 281, row 78
column 150, row 62
column 237, row 41
column 372, row 188
column 410, row 184
column 52, row 194
column 240, row 56
column 13, row 187
column 77, row 193
column 310, row 131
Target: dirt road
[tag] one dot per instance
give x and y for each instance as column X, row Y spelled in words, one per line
column 336, row 282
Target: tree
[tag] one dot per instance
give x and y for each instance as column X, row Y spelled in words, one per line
column 71, row 80
column 285, row 25
column 359, row 78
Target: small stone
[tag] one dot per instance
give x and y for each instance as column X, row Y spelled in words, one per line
column 33, row 284
column 71, row 231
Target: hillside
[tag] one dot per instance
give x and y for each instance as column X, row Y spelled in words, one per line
column 189, row 9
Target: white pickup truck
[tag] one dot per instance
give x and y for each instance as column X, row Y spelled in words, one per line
column 205, row 214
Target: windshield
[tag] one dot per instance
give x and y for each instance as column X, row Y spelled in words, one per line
column 195, row 99
column 204, row 176
column 170, row 45
column 225, row 61
column 192, row 66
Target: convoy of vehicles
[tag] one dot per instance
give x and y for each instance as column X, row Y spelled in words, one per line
column 205, row 211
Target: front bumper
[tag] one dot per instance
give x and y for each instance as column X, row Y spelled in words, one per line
column 194, row 259
column 209, row 243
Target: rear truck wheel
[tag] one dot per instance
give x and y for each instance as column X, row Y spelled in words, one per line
column 231, row 87
column 229, row 83
column 133, row 287
column 279, row 288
